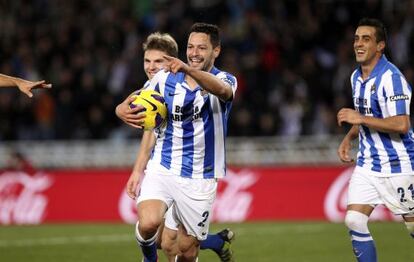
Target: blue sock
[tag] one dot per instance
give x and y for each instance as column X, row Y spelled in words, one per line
column 214, row 242
column 364, row 247
column 150, row 252
column 148, row 246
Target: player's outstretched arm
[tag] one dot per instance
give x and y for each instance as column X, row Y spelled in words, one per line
column 206, row 80
column 130, row 116
column 24, row 86
column 212, row 84
column 144, row 153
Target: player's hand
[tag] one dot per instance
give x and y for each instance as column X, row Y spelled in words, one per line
column 350, row 116
column 175, row 65
column 27, row 86
column 130, row 116
column 132, row 184
column 344, row 151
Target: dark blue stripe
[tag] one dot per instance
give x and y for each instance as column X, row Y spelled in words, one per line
column 385, row 138
column 357, row 234
column 380, row 67
column 188, row 134
column 354, row 81
column 167, row 146
column 214, row 70
column 361, row 157
column 362, row 111
column 395, row 162
column 398, row 90
column 360, row 161
column 375, row 106
column 408, row 142
column 207, row 116
column 226, row 107
column 167, row 143
column 157, row 87
column 361, row 99
column 376, row 163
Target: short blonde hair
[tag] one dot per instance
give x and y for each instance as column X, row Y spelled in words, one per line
column 162, row 42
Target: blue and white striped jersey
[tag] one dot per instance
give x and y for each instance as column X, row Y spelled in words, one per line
column 384, row 93
column 192, row 144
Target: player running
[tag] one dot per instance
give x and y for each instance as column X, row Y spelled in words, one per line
column 155, row 48
column 384, row 172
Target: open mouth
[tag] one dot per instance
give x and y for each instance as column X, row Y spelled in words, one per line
column 196, row 61
column 360, row 52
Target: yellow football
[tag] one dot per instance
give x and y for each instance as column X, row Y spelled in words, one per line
column 154, row 107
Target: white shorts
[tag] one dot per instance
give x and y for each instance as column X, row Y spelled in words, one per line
column 191, row 200
column 395, row 192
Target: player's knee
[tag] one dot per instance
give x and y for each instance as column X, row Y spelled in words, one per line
column 356, row 221
column 410, row 228
column 149, row 225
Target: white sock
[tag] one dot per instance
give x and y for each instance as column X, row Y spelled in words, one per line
column 144, row 242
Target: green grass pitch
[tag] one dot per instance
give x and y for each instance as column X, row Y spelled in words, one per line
column 270, row 241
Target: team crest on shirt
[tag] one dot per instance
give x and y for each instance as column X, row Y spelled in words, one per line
column 373, row 88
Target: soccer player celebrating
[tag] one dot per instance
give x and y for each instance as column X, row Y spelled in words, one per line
column 384, row 172
column 158, row 50
column 24, row 86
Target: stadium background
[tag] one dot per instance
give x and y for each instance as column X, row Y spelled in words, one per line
column 292, row 59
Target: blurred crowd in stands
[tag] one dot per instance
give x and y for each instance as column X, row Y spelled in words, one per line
column 293, row 60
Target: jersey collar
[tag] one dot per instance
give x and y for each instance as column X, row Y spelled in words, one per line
column 382, row 62
column 214, row 70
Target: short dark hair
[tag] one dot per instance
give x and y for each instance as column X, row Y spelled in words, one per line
column 211, row 30
column 380, row 31
column 161, row 42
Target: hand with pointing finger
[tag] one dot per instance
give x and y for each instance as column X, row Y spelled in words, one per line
column 25, row 86
column 175, row 65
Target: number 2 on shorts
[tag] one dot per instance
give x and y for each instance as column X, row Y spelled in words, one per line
column 205, row 217
column 401, row 191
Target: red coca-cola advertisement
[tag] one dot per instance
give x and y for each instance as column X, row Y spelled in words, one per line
column 246, row 194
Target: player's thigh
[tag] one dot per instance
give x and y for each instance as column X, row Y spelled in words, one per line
column 155, row 186
column 362, row 191
column 361, row 208
column 193, row 206
column 169, row 240
column 408, row 218
column 154, row 197
column 151, row 212
column 187, row 244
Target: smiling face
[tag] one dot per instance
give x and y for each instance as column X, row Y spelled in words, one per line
column 154, row 61
column 200, row 52
column 367, row 50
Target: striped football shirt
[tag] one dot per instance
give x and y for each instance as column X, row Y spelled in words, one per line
column 383, row 94
column 192, row 144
